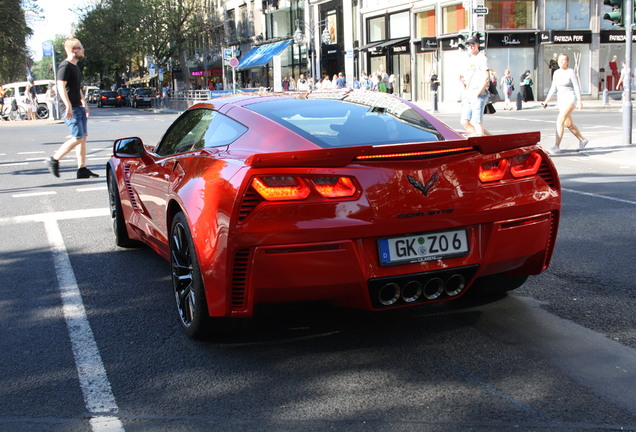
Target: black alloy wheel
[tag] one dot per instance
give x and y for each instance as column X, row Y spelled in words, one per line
column 119, row 225
column 186, row 280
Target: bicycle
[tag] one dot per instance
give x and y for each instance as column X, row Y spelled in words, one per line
column 13, row 111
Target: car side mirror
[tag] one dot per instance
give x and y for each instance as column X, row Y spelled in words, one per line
column 129, row 147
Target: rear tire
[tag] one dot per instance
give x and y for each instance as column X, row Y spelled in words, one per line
column 117, row 216
column 192, row 308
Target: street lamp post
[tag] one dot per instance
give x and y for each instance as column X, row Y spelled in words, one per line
column 311, row 27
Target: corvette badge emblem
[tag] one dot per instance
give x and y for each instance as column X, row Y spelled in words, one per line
column 424, row 188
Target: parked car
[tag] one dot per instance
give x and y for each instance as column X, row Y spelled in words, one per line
column 17, row 90
column 107, row 97
column 142, row 97
column 125, row 95
column 357, row 198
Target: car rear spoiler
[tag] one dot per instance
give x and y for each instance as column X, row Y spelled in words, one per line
column 342, row 156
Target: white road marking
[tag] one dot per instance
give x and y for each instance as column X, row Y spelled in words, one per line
column 98, row 394
column 599, row 196
column 31, row 152
column 91, row 189
column 64, row 215
column 13, row 164
column 33, row 194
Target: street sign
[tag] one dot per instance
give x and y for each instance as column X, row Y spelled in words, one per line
column 47, row 49
column 234, row 62
column 227, row 53
column 481, row 10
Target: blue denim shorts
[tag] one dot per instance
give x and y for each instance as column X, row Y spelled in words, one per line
column 473, row 109
column 78, row 125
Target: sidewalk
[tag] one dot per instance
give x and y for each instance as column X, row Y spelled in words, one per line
column 608, row 148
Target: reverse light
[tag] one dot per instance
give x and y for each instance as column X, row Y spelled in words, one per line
column 281, row 188
column 493, row 171
column 334, row 187
column 525, row 165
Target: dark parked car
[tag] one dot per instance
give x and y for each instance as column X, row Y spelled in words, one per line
column 107, row 97
column 125, row 94
column 142, row 97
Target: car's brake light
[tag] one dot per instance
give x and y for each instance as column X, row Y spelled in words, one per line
column 281, row 188
column 334, row 187
column 104, row 97
column 525, row 165
column 493, row 171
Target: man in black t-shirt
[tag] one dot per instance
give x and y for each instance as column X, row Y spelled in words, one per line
column 69, row 88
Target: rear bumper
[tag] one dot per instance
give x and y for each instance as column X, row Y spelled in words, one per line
column 348, row 272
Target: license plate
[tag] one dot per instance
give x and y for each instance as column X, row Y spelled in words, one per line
column 423, row 247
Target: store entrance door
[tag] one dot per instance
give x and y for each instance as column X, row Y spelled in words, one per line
column 401, row 68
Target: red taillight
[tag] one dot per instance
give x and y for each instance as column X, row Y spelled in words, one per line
column 525, row 165
column 281, row 188
column 334, row 187
column 118, row 97
column 104, row 97
column 493, row 171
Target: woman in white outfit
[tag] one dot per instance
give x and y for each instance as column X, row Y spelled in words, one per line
column 566, row 84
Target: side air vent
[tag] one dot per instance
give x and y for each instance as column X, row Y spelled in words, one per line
column 249, row 203
column 131, row 195
column 546, row 174
column 240, row 274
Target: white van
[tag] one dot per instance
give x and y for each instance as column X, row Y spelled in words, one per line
column 18, row 89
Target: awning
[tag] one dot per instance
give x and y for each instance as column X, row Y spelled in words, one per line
column 390, row 43
column 369, row 45
column 262, row 54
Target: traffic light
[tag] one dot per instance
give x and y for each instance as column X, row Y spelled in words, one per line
column 461, row 39
column 616, row 15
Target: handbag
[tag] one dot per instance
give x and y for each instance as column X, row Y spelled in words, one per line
column 489, row 108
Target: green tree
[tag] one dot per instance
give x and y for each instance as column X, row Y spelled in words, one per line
column 13, row 36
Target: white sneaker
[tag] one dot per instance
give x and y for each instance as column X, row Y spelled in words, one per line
column 554, row 150
column 582, row 144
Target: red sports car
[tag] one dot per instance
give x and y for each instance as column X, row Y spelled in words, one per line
column 357, row 198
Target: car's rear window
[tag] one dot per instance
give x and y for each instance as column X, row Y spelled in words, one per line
column 355, row 120
column 110, row 93
column 143, row 92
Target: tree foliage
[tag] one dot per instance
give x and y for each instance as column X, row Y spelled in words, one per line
column 119, row 34
column 13, row 36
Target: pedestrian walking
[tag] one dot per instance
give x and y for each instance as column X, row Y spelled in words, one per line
column 69, row 89
column 526, row 86
column 475, row 80
column 566, row 84
column 507, row 86
column 30, row 100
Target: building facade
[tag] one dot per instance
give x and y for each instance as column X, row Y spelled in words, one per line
column 413, row 40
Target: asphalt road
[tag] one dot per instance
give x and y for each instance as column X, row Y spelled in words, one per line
column 90, row 340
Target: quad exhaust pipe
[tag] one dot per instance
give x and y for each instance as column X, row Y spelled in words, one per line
column 411, row 291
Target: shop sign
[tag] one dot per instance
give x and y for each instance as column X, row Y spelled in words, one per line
column 450, row 44
column 511, row 40
column 572, row 37
column 614, row 36
column 545, row 36
column 400, row 49
column 428, row 44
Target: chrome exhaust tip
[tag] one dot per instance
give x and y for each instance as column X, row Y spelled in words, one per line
column 433, row 288
column 455, row 285
column 412, row 291
column 389, row 294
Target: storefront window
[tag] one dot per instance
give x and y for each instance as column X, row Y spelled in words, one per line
column 454, row 19
column 510, row 14
column 578, row 14
column 579, row 55
column 399, row 25
column 377, row 29
column 567, row 14
column 425, row 24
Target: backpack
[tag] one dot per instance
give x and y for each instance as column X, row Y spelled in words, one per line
column 511, row 86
